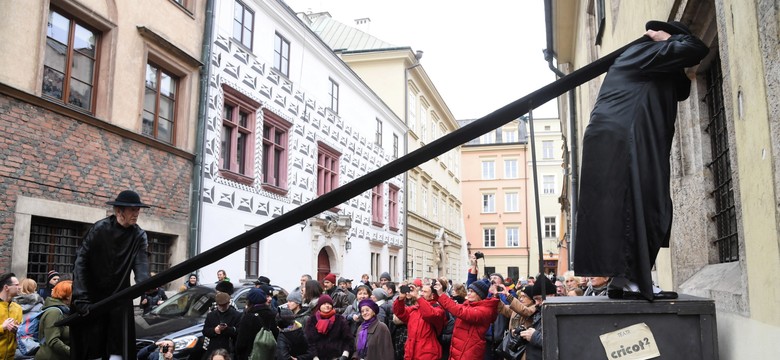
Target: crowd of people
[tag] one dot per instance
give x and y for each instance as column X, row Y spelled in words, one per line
column 487, row 317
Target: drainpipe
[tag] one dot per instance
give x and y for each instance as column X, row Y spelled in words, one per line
column 574, row 182
column 417, row 57
column 197, row 171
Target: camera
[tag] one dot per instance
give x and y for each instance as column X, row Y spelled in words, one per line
column 165, row 348
column 516, row 340
column 479, row 255
column 499, row 288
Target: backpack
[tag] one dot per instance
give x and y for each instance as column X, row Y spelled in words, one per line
column 264, row 345
column 28, row 336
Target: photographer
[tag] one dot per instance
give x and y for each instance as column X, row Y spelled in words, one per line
column 161, row 350
column 425, row 321
column 520, row 311
column 534, row 333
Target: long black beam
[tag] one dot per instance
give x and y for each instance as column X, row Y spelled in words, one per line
column 341, row 194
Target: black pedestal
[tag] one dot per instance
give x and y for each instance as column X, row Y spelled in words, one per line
column 683, row 329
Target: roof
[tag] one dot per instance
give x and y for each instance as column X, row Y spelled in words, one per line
column 342, row 37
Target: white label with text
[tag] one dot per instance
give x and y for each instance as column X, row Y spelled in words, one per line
column 635, row 342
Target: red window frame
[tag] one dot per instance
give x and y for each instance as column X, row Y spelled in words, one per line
column 328, row 160
column 238, row 169
column 377, row 205
column 275, row 152
column 392, row 207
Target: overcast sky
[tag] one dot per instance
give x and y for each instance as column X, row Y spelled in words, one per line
column 479, row 55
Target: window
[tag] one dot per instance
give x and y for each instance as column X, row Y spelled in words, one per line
column 282, row 54
column 252, row 260
column 547, row 149
column 53, row 245
column 513, row 272
column 375, row 266
column 378, row 137
column 435, row 207
column 392, row 264
column 511, row 202
column 395, row 146
column 238, row 123
column 412, row 112
column 70, row 61
column 327, row 169
column 412, row 188
column 488, row 203
column 159, row 251
column 377, row 205
column 333, row 93
column 548, row 184
column 243, row 24
column 549, row 227
column 722, row 191
column 423, row 123
column 510, row 169
column 512, row 237
column 392, row 207
column 600, row 19
column 488, row 170
column 509, row 136
column 489, row 138
column 275, row 144
column 159, row 104
column 424, row 202
column 489, row 237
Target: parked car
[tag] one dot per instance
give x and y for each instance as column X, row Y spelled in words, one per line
column 181, row 318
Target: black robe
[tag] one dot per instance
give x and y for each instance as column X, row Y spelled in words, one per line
column 625, row 209
column 103, row 263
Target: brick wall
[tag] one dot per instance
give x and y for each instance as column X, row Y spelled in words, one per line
column 50, row 156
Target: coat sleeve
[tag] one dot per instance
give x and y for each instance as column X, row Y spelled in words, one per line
column 432, row 315
column 53, row 334
column 211, row 322
column 399, row 310
column 470, row 314
column 81, row 276
column 519, row 308
column 246, row 336
column 141, row 263
column 384, row 333
column 677, row 52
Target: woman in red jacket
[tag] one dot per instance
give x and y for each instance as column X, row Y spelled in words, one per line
column 472, row 319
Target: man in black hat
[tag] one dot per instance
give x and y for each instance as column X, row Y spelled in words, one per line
column 625, row 209
column 111, row 249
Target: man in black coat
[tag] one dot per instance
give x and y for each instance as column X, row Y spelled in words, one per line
column 625, row 210
column 221, row 325
column 111, row 248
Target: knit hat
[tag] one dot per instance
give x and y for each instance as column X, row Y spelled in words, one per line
column 224, row 286
column 222, row 298
column 370, row 303
column 480, row 287
column 324, row 299
column 549, row 287
column 331, row 277
column 256, row 296
column 262, row 280
column 418, row 282
column 51, row 274
column 528, row 291
column 295, row 297
column 379, row 294
column 385, row 275
column 499, row 276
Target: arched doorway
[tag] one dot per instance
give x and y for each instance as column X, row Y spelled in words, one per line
column 323, row 265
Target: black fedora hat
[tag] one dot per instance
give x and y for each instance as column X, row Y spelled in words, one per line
column 672, row 27
column 128, row 198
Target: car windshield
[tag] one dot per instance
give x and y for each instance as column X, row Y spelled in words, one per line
column 188, row 303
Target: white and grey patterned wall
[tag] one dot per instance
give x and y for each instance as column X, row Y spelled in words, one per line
column 234, row 67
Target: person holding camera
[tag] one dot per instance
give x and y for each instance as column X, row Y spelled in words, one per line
column 533, row 334
column 161, row 350
column 520, row 312
column 472, row 320
column 221, row 325
column 425, row 321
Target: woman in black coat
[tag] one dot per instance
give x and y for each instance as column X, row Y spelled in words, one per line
column 257, row 316
column 328, row 333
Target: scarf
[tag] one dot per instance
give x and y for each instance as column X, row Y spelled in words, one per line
column 362, row 349
column 325, row 321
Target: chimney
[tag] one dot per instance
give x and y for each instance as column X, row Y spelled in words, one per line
column 363, row 24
